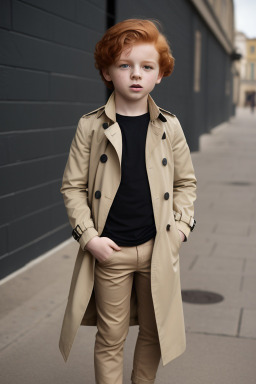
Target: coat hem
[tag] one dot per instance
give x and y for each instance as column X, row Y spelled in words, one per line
column 64, row 355
column 173, row 356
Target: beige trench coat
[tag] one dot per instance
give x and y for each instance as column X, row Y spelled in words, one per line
column 98, row 133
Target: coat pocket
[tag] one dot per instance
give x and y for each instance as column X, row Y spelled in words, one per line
column 174, row 241
column 177, row 234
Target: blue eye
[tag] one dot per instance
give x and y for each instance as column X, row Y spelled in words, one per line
column 124, row 65
column 147, row 67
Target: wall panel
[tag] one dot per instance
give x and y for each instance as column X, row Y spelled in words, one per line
column 47, row 82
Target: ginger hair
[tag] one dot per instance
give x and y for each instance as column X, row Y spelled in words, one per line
column 124, row 35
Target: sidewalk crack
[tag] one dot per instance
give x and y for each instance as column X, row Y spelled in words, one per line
column 239, row 322
column 193, row 263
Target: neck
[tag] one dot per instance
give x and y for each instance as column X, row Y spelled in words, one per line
column 131, row 108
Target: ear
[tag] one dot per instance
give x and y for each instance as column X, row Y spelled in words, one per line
column 159, row 78
column 106, row 75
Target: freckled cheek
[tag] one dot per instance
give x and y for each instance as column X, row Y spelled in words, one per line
column 118, row 80
column 123, row 78
column 152, row 78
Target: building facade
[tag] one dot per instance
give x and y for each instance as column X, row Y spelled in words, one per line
column 48, row 81
column 246, row 69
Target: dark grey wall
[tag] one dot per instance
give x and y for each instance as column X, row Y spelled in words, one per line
column 47, row 81
column 211, row 106
column 197, row 112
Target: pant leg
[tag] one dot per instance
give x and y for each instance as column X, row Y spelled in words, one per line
column 147, row 351
column 113, row 286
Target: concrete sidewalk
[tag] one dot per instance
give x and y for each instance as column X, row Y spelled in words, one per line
column 220, row 257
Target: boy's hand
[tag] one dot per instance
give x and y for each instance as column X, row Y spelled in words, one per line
column 181, row 235
column 101, row 247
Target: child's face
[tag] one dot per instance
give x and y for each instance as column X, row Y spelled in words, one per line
column 136, row 72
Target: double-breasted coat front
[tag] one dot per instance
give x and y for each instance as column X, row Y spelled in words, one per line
column 89, row 188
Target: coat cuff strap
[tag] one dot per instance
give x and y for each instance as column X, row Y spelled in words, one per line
column 87, row 235
column 181, row 218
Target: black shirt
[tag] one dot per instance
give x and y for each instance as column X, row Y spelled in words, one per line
column 130, row 220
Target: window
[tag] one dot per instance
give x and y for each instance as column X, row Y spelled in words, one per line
column 252, row 71
column 252, row 49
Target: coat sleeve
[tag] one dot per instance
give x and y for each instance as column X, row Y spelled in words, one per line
column 75, row 184
column 184, row 182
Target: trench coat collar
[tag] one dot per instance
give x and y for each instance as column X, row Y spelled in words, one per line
column 110, row 109
column 113, row 133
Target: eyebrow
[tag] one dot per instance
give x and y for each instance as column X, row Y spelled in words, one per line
column 143, row 61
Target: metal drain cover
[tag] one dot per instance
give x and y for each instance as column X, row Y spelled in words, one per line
column 196, row 296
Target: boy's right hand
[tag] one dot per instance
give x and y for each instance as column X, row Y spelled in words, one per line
column 101, row 247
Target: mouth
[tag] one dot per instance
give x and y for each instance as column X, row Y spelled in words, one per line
column 135, row 86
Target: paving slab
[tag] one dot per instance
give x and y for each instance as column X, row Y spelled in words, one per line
column 212, row 319
column 248, row 326
column 232, row 228
column 249, row 287
column 216, row 265
column 250, row 266
column 230, row 238
column 235, row 250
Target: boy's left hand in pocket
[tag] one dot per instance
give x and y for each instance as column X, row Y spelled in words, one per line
column 182, row 236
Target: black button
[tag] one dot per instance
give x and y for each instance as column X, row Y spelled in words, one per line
column 97, row 195
column 103, row 158
column 166, row 195
column 105, row 125
column 164, row 136
column 162, row 118
column 164, row 161
column 168, row 226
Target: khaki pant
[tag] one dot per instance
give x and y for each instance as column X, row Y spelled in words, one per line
column 114, row 279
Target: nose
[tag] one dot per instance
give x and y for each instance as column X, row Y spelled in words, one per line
column 136, row 73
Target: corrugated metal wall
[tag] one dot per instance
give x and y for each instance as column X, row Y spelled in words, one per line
column 48, row 80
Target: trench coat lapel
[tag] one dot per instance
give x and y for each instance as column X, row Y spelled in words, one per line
column 154, row 137
column 113, row 133
column 155, row 129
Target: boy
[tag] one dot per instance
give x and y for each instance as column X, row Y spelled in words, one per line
column 129, row 188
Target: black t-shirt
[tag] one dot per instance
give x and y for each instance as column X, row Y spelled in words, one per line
column 130, row 220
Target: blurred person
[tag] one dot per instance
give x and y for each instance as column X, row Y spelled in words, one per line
column 252, row 101
column 129, row 188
